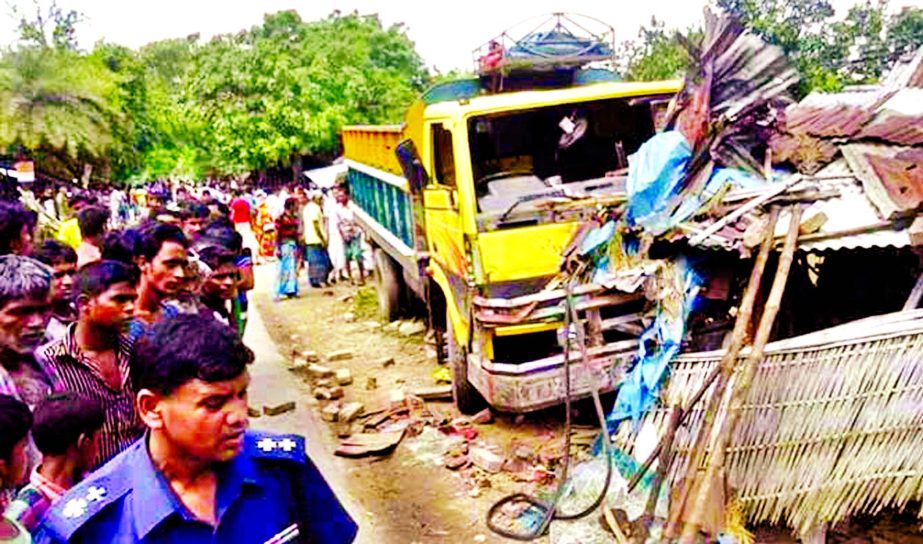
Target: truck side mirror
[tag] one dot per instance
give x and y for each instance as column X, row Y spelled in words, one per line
column 412, row 166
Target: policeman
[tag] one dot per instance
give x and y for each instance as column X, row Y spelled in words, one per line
column 198, row 475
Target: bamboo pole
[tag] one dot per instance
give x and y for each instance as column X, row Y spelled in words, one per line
column 744, row 381
column 663, row 462
column 728, row 362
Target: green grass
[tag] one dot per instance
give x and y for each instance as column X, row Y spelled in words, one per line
column 365, row 304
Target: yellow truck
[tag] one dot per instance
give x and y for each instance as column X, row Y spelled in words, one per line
column 469, row 205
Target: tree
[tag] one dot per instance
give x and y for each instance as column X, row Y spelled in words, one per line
column 657, row 54
column 283, row 89
column 832, row 53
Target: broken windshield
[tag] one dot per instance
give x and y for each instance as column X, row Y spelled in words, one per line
column 582, row 146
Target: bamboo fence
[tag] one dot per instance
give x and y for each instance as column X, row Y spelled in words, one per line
column 832, row 426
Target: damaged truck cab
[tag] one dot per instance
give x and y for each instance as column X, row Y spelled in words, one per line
column 469, row 207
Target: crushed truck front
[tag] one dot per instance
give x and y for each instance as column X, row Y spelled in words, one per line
column 510, row 178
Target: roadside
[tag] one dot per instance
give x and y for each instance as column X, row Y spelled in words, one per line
column 407, row 496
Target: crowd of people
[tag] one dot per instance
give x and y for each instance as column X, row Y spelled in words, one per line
column 123, row 373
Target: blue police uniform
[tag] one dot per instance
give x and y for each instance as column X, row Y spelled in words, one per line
column 271, row 493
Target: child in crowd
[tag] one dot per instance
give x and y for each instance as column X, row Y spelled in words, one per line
column 15, row 421
column 64, row 429
column 63, row 262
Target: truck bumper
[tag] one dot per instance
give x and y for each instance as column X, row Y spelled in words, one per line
column 540, row 384
column 536, row 384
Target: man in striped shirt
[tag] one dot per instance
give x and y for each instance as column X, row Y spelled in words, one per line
column 93, row 357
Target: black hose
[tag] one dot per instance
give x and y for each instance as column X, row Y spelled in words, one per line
column 550, row 509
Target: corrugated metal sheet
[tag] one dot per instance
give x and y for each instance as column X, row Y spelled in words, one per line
column 851, row 211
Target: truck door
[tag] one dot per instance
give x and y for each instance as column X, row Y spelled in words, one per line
column 441, row 203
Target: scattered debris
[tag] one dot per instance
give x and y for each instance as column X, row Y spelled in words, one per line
column 310, row 356
column 298, row 365
column 349, row 317
column 330, row 412
column 397, row 397
column 318, row 371
column 361, row 444
column 279, row 409
column 349, row 411
column 253, row 412
column 440, row 392
column 371, row 383
column 346, row 298
column 486, row 460
column 483, row 417
column 393, row 326
column 322, row 393
column 344, row 376
column 341, row 355
column 385, row 362
column 411, row 328
column 336, row 393
column 371, row 325
column 344, row 429
column 442, row 374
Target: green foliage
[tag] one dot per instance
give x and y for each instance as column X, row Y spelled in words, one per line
column 657, row 54
column 832, row 53
column 186, row 109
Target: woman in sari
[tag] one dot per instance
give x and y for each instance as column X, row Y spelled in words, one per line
column 287, row 227
column 265, row 231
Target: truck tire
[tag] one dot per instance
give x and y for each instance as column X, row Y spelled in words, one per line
column 467, row 399
column 388, row 285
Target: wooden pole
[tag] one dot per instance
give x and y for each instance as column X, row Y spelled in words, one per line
column 742, row 385
column 725, row 370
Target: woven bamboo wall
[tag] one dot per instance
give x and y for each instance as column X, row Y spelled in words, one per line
column 829, row 430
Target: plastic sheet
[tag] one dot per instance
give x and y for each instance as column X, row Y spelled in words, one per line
column 658, row 345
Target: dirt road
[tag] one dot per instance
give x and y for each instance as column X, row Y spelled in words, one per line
column 405, row 497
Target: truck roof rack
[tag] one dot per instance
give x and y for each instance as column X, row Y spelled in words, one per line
column 545, row 51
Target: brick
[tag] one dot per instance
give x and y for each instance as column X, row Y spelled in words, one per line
column 279, row 408
column 310, row 356
column 411, row 328
column 486, row 460
column 342, row 355
column 350, row 410
column 385, row 362
column 336, row 393
column 298, row 365
column 322, row 393
column 330, row 412
column 318, row 371
column 344, row 376
column 397, row 398
column 323, row 382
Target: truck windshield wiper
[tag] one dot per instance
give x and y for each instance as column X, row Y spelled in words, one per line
column 558, row 193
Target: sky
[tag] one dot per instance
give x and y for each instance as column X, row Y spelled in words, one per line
column 445, row 33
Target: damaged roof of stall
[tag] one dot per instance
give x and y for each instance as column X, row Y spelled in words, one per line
column 859, row 156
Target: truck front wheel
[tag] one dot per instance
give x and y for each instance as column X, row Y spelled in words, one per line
column 467, row 399
column 388, row 285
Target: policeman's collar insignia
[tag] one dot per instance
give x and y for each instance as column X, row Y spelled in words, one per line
column 77, row 506
column 263, row 445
